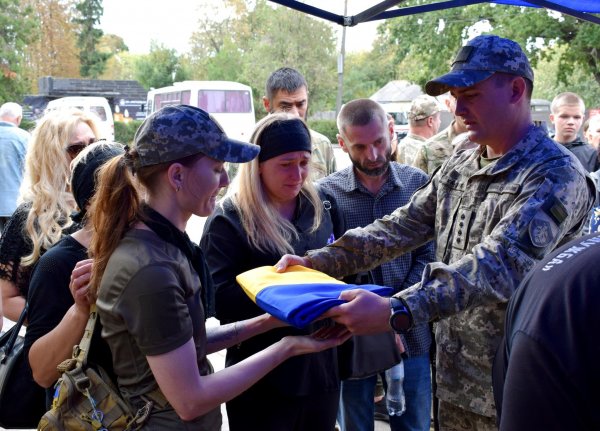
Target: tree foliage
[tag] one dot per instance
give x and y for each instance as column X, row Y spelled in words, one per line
column 367, row 72
column 424, row 44
column 17, row 29
column 547, row 84
column 121, row 64
column 54, row 53
column 160, row 68
column 261, row 38
column 93, row 61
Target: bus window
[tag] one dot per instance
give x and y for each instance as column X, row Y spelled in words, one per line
column 400, row 118
column 220, row 101
column 99, row 111
column 173, row 98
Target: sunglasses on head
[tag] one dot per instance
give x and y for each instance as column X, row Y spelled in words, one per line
column 76, row 147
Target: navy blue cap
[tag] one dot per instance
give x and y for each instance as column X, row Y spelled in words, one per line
column 479, row 59
column 178, row 131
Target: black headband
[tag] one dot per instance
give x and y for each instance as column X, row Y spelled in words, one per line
column 283, row 137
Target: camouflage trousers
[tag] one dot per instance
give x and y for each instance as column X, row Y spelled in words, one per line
column 454, row 418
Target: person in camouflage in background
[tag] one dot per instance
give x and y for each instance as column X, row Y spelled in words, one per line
column 423, row 122
column 494, row 211
column 286, row 91
column 437, row 149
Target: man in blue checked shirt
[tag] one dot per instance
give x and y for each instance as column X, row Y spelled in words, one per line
column 371, row 188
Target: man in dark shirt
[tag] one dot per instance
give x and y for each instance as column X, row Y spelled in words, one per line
column 546, row 373
column 568, row 111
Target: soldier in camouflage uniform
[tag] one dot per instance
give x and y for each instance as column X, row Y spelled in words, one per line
column 423, row 122
column 494, row 211
column 437, row 149
column 287, row 91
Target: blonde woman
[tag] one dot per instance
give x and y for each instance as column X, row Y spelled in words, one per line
column 46, row 203
column 270, row 209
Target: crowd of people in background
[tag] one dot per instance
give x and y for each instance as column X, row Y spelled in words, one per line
column 487, row 231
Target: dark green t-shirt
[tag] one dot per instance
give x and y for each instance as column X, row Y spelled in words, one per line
column 149, row 303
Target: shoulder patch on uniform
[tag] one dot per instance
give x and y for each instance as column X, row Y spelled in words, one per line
column 555, row 210
column 542, row 229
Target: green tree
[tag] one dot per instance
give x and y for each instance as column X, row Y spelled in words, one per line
column 160, row 68
column 54, row 53
column 92, row 60
column 547, row 84
column 17, row 29
column 367, row 72
column 121, row 63
column 260, row 38
column 424, row 44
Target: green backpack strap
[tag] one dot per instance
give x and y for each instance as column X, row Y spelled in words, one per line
column 80, row 354
column 86, row 340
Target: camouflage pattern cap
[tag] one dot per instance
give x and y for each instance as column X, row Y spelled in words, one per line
column 479, row 59
column 178, row 131
column 422, row 107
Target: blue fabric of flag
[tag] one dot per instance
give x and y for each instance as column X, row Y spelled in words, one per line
column 300, row 295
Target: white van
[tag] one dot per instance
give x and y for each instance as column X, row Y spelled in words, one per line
column 230, row 103
column 95, row 105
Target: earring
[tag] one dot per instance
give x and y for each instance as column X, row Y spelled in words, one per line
column 178, row 187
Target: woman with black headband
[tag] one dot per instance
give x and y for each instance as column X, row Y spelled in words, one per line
column 270, row 209
column 56, row 319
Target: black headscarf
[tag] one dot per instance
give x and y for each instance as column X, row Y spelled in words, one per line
column 83, row 179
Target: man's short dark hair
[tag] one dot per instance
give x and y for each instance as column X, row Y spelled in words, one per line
column 360, row 112
column 286, row 79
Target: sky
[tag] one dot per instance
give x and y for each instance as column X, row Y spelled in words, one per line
column 172, row 22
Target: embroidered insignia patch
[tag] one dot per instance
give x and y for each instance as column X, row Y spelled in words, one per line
column 542, row 230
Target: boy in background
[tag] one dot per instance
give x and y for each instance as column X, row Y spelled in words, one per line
column 568, row 111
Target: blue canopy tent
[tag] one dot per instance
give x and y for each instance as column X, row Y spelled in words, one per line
column 581, row 9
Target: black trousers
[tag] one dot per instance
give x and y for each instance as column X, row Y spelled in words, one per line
column 264, row 409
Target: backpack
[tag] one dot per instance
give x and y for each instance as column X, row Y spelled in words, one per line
column 85, row 397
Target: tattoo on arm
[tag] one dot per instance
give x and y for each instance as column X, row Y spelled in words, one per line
column 226, row 334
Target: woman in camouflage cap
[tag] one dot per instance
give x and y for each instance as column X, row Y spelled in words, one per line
column 150, row 280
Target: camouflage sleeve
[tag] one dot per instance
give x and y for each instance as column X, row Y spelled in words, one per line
column 332, row 165
column 422, row 256
column 361, row 249
column 421, row 159
column 401, row 153
column 323, row 157
column 550, row 209
column 327, row 154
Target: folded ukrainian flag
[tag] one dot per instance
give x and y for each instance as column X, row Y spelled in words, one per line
column 299, row 295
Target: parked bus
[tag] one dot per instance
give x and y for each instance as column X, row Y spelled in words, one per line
column 230, row 103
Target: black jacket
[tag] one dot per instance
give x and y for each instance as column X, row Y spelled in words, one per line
column 228, row 253
column 586, row 154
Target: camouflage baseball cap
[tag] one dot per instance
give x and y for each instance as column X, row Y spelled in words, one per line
column 178, row 131
column 422, row 107
column 479, row 59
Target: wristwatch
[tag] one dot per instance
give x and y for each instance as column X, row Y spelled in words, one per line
column 400, row 319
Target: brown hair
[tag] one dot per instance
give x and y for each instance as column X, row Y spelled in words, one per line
column 116, row 205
